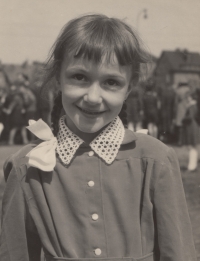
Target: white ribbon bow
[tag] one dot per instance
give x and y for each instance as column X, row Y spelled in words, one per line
column 42, row 156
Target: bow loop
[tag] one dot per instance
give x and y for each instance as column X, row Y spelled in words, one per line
column 40, row 129
column 42, row 156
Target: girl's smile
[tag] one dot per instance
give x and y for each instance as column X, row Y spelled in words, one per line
column 90, row 112
column 92, row 94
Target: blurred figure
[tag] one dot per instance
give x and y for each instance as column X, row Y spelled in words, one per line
column 29, row 100
column 151, row 109
column 46, row 101
column 166, row 113
column 191, row 132
column 22, row 79
column 2, row 102
column 5, row 101
column 134, row 111
column 198, row 105
column 16, row 112
column 180, row 111
column 30, row 106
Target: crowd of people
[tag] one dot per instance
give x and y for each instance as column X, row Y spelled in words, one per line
column 171, row 115
column 163, row 111
column 18, row 104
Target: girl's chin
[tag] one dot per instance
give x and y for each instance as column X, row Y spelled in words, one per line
column 91, row 130
column 79, row 125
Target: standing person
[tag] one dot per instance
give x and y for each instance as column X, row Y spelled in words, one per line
column 3, row 95
column 16, row 112
column 191, row 132
column 5, row 102
column 30, row 104
column 93, row 189
column 166, row 115
column 150, row 108
column 198, row 104
column 134, row 111
column 23, row 79
column 180, row 110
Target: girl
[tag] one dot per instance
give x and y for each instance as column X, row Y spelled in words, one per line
column 94, row 190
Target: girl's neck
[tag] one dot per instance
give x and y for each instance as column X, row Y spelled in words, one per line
column 86, row 137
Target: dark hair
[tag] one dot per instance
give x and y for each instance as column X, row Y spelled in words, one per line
column 93, row 37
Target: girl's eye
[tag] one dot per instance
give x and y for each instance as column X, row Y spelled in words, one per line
column 112, row 82
column 79, row 77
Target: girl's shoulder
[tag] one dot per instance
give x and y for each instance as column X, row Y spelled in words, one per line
column 145, row 146
column 19, row 159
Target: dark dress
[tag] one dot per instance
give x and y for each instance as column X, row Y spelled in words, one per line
column 191, row 130
column 17, row 117
column 167, row 109
column 150, row 104
column 198, row 106
column 139, row 199
column 134, row 108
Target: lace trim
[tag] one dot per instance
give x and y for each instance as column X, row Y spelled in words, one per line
column 68, row 142
column 106, row 145
column 108, row 142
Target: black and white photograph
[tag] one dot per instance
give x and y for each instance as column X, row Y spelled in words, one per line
column 99, row 130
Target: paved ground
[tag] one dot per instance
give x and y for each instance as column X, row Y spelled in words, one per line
column 191, row 182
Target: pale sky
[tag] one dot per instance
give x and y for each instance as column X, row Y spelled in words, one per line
column 28, row 28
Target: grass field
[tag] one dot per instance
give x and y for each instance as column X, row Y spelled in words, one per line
column 191, row 183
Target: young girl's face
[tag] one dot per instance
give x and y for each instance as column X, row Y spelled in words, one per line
column 92, row 94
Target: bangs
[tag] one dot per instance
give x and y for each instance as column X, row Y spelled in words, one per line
column 98, row 39
column 101, row 51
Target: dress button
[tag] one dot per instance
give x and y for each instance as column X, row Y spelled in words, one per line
column 97, row 251
column 95, row 216
column 91, row 183
column 91, row 153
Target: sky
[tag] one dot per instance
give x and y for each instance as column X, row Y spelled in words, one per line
column 28, row 28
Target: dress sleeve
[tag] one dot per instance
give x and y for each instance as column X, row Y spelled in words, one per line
column 174, row 230
column 19, row 239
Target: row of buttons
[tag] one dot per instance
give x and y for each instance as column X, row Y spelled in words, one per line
column 95, row 216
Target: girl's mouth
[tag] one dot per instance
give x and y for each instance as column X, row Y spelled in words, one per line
column 91, row 112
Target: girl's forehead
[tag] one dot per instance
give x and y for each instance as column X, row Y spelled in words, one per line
column 71, row 62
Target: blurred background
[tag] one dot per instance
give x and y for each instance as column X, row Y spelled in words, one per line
column 166, row 101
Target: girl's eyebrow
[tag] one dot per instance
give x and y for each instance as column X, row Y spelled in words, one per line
column 114, row 75
column 85, row 70
column 77, row 69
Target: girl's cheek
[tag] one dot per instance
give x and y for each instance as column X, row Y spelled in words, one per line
column 73, row 92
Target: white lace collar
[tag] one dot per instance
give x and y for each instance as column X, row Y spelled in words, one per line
column 106, row 145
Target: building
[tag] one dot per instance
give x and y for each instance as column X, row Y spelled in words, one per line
column 174, row 67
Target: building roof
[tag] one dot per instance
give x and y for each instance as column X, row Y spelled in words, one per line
column 182, row 60
column 12, row 70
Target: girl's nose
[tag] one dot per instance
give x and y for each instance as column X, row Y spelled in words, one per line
column 93, row 95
